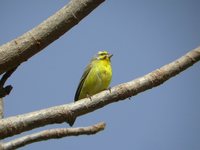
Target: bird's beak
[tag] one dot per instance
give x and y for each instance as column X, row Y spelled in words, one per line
column 110, row 55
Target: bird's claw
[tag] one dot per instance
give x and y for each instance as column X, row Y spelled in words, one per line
column 88, row 96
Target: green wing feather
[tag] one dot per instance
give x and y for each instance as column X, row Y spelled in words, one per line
column 78, row 91
column 84, row 76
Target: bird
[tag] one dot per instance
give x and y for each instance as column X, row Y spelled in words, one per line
column 96, row 78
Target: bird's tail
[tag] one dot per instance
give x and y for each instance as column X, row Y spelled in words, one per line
column 71, row 121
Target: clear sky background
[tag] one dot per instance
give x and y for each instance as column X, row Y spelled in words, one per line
column 143, row 35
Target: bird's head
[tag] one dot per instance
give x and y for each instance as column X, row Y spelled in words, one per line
column 104, row 55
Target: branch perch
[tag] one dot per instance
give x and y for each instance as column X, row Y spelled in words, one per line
column 53, row 134
column 22, row 48
column 58, row 114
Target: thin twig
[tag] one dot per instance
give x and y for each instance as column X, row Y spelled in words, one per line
column 59, row 114
column 53, row 134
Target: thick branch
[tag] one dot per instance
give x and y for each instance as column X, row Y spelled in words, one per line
column 53, row 134
column 58, row 114
column 22, row 48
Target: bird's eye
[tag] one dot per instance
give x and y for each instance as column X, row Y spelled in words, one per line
column 101, row 54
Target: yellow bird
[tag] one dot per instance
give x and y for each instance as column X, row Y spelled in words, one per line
column 96, row 78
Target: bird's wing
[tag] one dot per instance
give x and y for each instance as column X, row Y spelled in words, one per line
column 82, row 80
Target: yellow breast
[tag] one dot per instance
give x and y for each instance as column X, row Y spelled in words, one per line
column 98, row 78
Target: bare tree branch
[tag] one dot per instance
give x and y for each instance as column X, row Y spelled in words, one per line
column 53, row 134
column 22, row 48
column 58, row 114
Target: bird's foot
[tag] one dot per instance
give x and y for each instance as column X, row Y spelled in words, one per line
column 109, row 89
column 88, row 96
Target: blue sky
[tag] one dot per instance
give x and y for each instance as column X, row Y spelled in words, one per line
column 143, row 35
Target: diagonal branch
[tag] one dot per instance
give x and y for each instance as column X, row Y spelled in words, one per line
column 58, row 114
column 22, row 48
column 53, row 134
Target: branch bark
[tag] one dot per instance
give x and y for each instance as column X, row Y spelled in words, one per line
column 58, row 114
column 22, row 48
column 53, row 134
